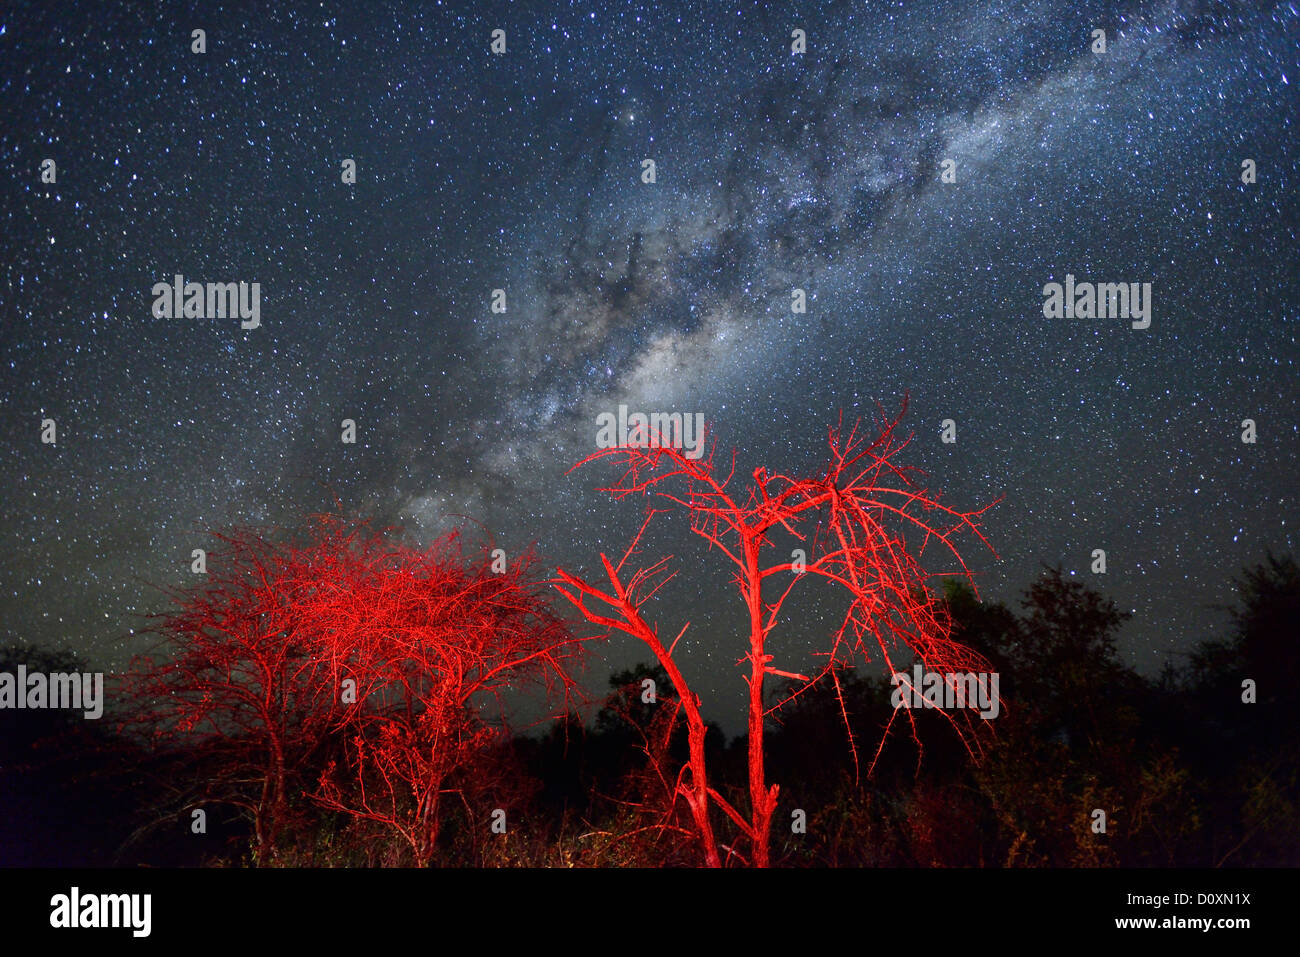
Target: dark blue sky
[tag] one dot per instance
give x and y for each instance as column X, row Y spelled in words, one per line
column 522, row 172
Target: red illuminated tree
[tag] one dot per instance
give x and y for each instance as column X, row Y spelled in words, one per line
column 865, row 525
column 338, row 650
column 433, row 644
column 236, row 684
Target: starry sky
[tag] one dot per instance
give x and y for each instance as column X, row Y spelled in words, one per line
column 522, row 171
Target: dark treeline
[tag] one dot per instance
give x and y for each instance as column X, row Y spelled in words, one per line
column 1197, row 767
column 1187, row 772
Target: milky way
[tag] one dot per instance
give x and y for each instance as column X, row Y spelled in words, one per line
column 523, row 171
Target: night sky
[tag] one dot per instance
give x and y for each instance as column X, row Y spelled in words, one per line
column 522, row 172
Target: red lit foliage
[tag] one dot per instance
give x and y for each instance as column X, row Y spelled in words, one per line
column 380, row 663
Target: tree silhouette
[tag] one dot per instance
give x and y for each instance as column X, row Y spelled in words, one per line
column 62, row 777
column 864, row 525
column 1264, row 628
column 1251, row 733
column 1065, row 660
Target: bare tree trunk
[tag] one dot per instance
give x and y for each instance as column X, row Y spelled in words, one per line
column 763, row 801
column 697, row 794
column 270, row 809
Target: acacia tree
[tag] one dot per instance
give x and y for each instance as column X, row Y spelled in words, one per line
column 431, row 644
column 865, row 524
column 293, row 650
column 234, row 686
